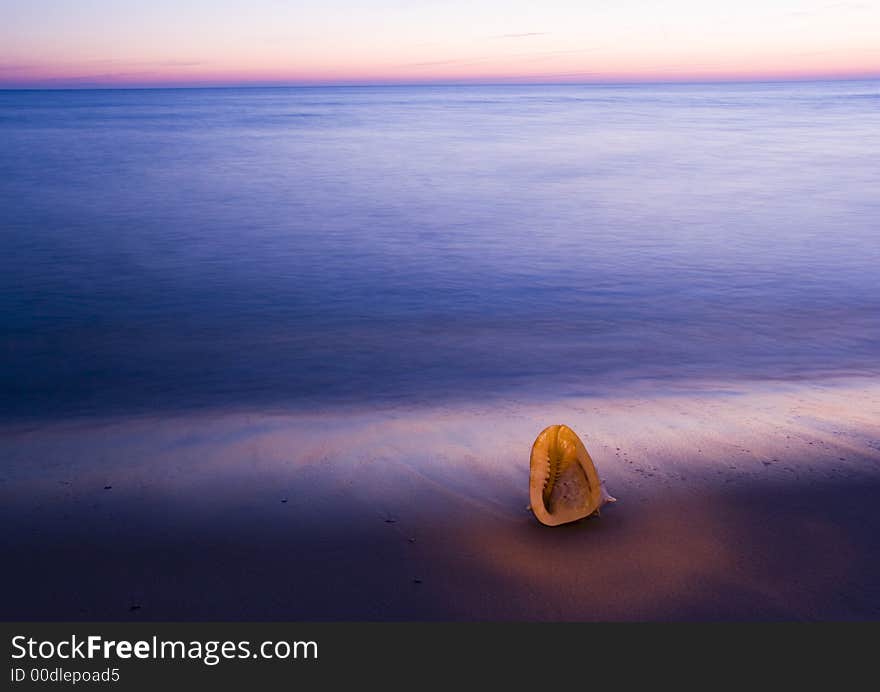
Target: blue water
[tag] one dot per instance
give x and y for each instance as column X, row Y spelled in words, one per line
column 167, row 249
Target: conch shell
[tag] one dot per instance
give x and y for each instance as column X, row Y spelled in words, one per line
column 564, row 485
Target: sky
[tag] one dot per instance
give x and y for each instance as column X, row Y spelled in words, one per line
column 83, row 43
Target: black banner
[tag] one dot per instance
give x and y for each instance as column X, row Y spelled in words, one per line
column 171, row 656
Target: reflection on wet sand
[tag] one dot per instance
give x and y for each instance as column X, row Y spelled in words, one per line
column 735, row 502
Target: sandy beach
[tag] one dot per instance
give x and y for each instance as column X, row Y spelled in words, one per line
column 737, row 501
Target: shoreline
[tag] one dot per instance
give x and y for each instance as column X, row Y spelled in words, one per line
column 736, row 501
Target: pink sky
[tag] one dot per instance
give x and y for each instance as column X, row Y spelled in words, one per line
column 100, row 42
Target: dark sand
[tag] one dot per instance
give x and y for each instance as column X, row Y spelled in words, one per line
column 736, row 502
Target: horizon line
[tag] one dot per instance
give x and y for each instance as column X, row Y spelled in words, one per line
column 440, row 83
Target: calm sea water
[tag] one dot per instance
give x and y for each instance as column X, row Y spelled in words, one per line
column 166, row 249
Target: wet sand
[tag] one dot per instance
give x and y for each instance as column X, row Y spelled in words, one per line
column 737, row 501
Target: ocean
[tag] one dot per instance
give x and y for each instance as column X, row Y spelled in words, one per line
column 185, row 249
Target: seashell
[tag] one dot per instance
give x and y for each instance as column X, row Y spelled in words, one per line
column 564, row 485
